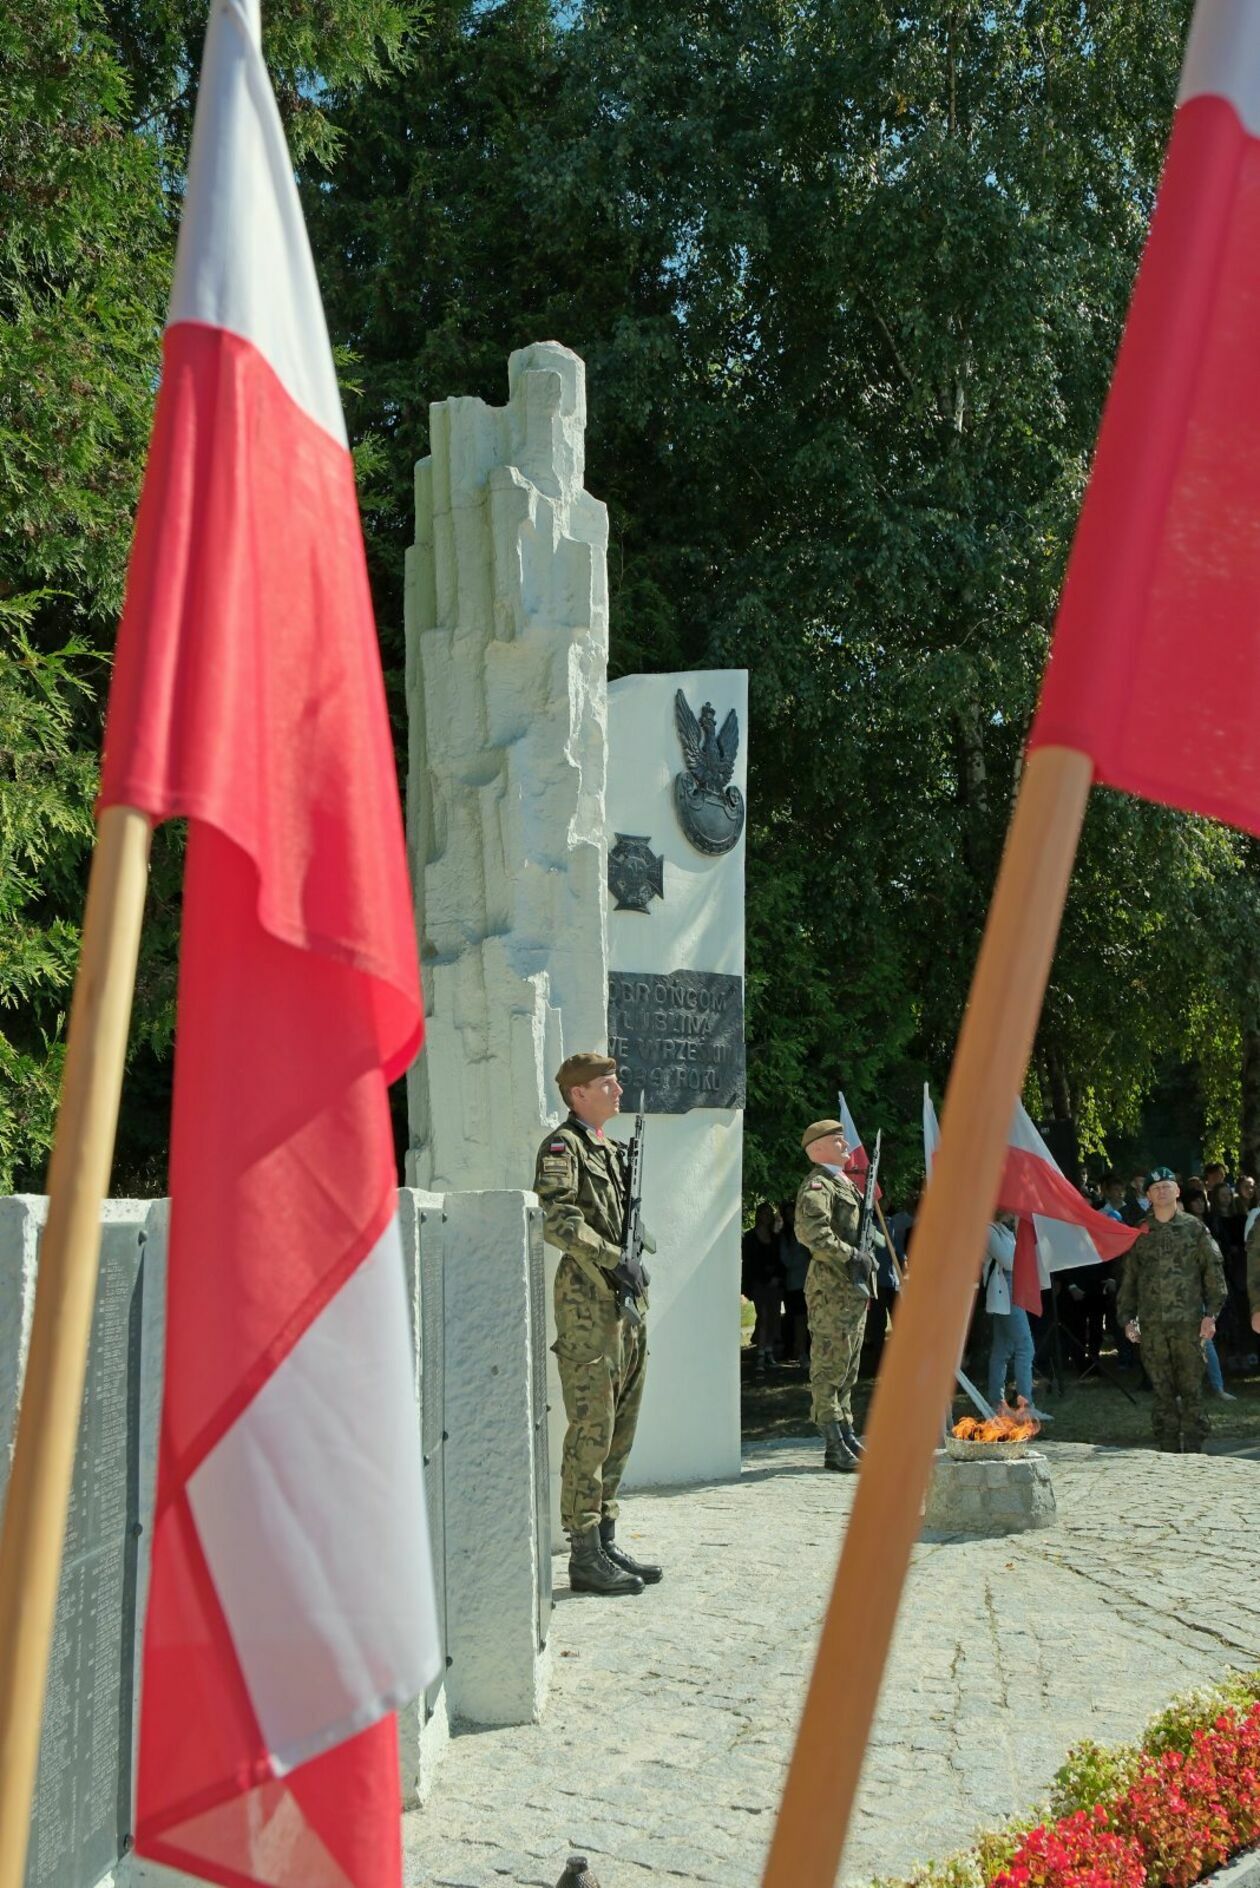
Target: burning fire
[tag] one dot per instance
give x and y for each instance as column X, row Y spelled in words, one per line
column 1007, row 1425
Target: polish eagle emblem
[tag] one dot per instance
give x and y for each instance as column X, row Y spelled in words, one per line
column 709, row 808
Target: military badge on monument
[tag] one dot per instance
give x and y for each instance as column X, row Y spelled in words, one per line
column 710, row 809
column 636, row 874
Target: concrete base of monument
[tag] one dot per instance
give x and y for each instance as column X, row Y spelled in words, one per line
column 1003, row 1495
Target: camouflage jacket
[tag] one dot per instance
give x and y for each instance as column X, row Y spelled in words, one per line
column 580, row 1178
column 1253, row 1264
column 1172, row 1273
column 828, row 1208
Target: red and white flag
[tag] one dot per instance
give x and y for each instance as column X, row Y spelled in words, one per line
column 1064, row 1231
column 291, row 1605
column 859, row 1160
column 1160, row 619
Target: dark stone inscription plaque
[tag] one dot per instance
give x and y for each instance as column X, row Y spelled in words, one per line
column 82, row 1818
column 678, row 1037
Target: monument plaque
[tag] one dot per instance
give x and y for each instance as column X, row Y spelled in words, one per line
column 678, row 1036
column 82, row 1817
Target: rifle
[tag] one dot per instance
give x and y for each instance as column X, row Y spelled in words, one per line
column 862, row 1269
column 631, row 1275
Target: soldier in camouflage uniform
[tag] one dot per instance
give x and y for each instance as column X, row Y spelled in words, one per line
column 580, row 1177
column 1172, row 1289
column 828, row 1208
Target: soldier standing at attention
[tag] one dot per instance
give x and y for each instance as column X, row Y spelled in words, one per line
column 828, row 1208
column 1172, row 1289
column 580, row 1178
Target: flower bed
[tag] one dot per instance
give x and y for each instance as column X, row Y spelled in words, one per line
column 1162, row 1813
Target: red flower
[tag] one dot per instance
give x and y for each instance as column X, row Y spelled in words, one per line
column 1182, row 1816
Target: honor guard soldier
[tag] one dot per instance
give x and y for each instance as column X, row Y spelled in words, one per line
column 1172, row 1288
column 601, row 1336
column 828, row 1210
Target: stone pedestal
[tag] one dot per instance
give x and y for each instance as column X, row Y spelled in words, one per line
column 507, row 648
column 423, row 1726
column 989, row 1497
column 82, row 1811
column 498, row 1563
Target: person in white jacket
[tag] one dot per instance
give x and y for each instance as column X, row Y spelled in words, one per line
column 1012, row 1348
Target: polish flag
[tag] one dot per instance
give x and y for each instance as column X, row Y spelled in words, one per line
column 1160, row 618
column 859, row 1160
column 1064, row 1231
column 291, row 1606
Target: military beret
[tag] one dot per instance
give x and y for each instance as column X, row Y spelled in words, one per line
column 816, row 1130
column 1160, row 1173
column 576, row 1070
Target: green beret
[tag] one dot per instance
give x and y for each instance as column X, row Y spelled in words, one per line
column 1160, row 1173
column 817, row 1129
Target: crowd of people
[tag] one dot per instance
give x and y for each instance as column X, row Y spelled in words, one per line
column 1079, row 1325
column 824, row 1300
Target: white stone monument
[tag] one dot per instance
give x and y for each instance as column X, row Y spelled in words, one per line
column 510, row 760
column 677, row 777
column 507, row 649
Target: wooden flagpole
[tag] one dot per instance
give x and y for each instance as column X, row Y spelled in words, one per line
column 918, row 1368
column 48, row 1420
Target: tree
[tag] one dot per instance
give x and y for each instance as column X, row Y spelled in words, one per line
column 848, row 279
column 94, row 117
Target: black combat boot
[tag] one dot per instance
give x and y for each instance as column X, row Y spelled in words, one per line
column 591, row 1571
column 645, row 1570
column 837, row 1453
column 852, row 1441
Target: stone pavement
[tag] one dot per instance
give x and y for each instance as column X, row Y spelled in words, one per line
column 662, row 1750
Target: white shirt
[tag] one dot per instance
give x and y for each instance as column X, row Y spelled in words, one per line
column 999, row 1266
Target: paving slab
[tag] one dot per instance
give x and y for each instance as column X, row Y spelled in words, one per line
column 662, row 1751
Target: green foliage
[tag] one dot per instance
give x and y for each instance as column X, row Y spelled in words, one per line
column 43, row 816
column 969, row 1868
column 955, row 1871
column 1174, row 1727
column 1089, row 1773
column 848, row 280
column 82, row 248
column 94, row 117
column 309, row 51
column 1093, row 1771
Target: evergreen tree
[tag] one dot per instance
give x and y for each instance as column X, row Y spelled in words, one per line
column 849, row 279
column 94, row 118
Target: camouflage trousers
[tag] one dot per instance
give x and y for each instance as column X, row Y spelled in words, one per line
column 837, row 1319
column 1173, row 1355
column 602, row 1359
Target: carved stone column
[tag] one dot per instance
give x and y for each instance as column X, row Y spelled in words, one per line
column 507, row 645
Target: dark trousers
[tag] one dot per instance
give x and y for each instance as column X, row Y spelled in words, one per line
column 878, row 1320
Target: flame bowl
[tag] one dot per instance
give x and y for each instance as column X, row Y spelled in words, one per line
column 986, row 1451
